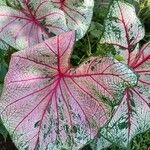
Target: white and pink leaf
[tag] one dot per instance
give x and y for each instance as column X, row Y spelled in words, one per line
column 47, row 104
column 123, row 28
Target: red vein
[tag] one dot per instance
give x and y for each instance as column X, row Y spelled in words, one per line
column 50, row 100
column 125, row 28
column 67, row 48
column 103, row 88
column 50, row 48
column 31, row 79
column 58, row 53
column 29, row 36
column 28, row 95
column 66, row 105
column 7, row 24
column 31, row 111
column 129, row 113
column 39, row 7
column 39, row 63
column 97, row 101
column 142, row 98
column 75, row 11
column 50, row 14
column 148, row 83
column 142, row 71
column 21, row 30
column 78, row 105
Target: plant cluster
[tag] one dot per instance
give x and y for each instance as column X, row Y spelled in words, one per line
column 57, row 98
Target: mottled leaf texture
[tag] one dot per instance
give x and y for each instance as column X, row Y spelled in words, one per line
column 48, row 105
column 122, row 27
column 132, row 115
column 78, row 14
column 29, row 22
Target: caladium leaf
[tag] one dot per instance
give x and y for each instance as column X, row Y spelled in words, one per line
column 78, row 14
column 122, row 26
column 47, row 104
column 28, row 24
column 131, row 117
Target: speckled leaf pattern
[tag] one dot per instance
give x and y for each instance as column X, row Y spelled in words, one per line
column 78, row 14
column 122, row 26
column 48, row 105
column 132, row 116
column 30, row 23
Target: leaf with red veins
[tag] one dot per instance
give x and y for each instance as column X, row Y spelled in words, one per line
column 132, row 115
column 46, row 104
column 29, row 25
column 78, row 14
column 122, row 27
column 131, row 118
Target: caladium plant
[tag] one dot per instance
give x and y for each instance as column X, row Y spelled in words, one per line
column 24, row 23
column 48, row 104
column 132, row 116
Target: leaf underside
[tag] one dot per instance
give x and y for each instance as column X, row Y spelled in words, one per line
column 46, row 104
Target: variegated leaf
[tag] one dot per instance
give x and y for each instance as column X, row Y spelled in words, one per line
column 78, row 14
column 122, row 27
column 26, row 24
column 47, row 104
column 132, row 116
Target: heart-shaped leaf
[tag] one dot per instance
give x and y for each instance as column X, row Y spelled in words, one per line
column 47, row 104
column 30, row 23
column 122, row 27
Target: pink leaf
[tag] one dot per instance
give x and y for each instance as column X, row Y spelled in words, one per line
column 30, row 24
column 50, row 105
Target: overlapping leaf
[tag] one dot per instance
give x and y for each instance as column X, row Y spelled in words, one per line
column 78, row 14
column 29, row 22
column 47, row 104
column 132, row 115
column 122, row 26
